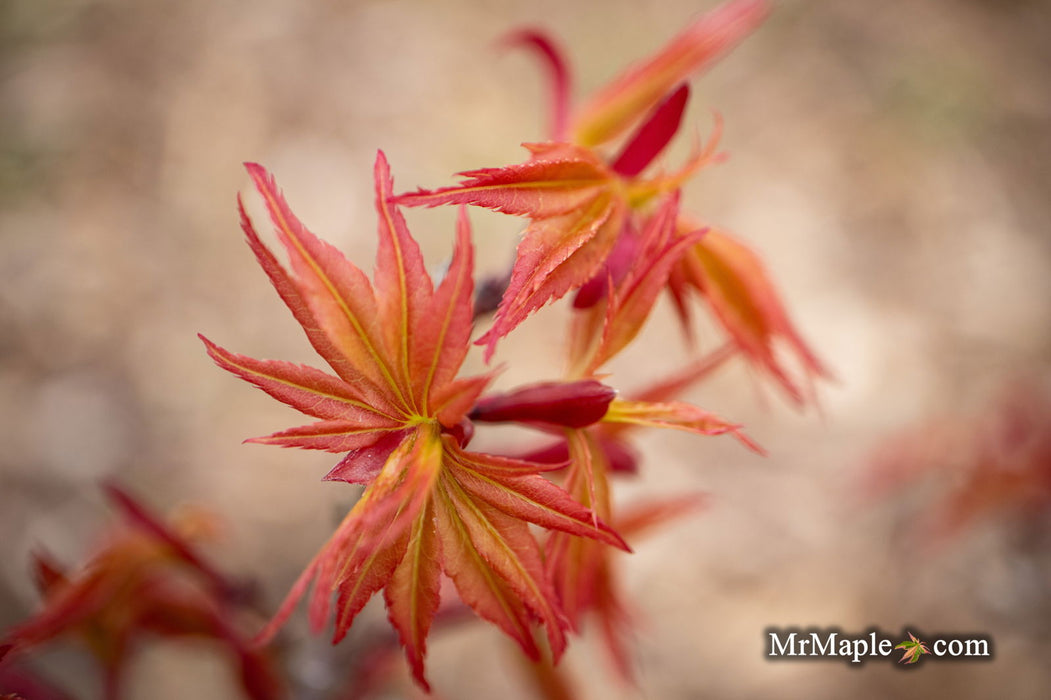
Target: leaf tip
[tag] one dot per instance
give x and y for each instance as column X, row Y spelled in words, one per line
column 257, row 172
column 382, row 166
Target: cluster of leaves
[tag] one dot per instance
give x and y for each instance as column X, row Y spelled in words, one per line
column 526, row 541
column 600, row 226
column 145, row 579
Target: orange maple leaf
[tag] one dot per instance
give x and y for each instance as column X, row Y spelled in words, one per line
column 733, row 281
column 578, row 201
column 145, row 579
column 612, row 309
column 585, row 208
column 594, row 450
column 398, row 410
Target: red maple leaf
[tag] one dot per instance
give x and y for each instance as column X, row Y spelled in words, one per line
column 613, row 307
column 733, row 281
column 586, row 208
column 398, row 410
column 578, row 201
column 145, row 579
column 631, row 98
column 594, row 450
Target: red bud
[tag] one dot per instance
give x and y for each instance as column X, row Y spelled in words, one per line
column 569, row 404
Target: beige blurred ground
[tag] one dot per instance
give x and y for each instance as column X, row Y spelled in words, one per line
column 891, row 161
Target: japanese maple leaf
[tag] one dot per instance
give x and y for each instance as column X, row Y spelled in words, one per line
column 737, row 288
column 145, row 579
column 578, row 200
column 589, row 449
column 913, row 650
column 632, row 97
column 728, row 276
column 611, row 309
column 564, row 408
column 606, row 418
column 993, row 465
column 583, row 570
column 578, row 206
column 594, row 448
column 397, row 409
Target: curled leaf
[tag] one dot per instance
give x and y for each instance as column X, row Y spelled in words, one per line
column 569, row 404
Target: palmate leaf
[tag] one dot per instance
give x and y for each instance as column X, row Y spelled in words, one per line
column 396, row 349
column 739, row 291
column 604, row 329
column 576, row 208
column 144, row 580
column 580, row 205
column 437, row 508
column 913, row 649
column 396, row 407
column 579, row 210
column 580, row 568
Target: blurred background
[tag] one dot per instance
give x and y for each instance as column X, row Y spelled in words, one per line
column 891, row 162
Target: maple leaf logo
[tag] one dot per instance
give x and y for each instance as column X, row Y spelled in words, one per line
column 913, row 650
column 397, row 410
